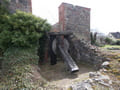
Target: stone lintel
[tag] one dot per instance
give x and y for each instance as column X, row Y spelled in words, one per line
column 61, row 33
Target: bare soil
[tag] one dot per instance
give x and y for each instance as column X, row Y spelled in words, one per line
column 58, row 75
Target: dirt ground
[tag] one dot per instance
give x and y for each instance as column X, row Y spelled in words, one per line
column 58, row 75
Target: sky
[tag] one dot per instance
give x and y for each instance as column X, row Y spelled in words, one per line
column 105, row 14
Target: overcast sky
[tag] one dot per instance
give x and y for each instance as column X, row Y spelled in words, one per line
column 105, row 14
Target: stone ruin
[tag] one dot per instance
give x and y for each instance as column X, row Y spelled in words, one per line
column 76, row 19
column 22, row 5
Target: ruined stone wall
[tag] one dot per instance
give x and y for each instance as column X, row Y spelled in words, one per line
column 75, row 19
column 22, row 5
column 84, row 52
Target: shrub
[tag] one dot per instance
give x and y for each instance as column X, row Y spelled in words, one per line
column 21, row 30
column 118, row 42
column 109, row 40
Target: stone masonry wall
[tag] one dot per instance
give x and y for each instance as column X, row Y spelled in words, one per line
column 75, row 19
column 82, row 51
column 22, row 5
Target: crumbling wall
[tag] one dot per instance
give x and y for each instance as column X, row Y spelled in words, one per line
column 22, row 5
column 75, row 19
column 82, row 51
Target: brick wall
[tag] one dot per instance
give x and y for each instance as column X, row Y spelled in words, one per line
column 75, row 19
column 23, row 5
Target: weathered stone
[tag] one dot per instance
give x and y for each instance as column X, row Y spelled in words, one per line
column 101, row 79
column 105, row 84
column 107, row 59
column 105, row 64
column 98, row 75
column 22, row 5
column 93, row 74
column 96, row 79
column 75, row 19
column 82, row 86
column 82, row 51
column 103, row 70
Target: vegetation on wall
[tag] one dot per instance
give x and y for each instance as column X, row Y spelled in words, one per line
column 19, row 36
column 21, row 30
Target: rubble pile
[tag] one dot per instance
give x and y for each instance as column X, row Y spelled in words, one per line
column 96, row 81
column 82, row 51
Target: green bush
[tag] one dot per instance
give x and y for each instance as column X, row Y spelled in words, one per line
column 21, row 30
column 109, row 41
column 118, row 42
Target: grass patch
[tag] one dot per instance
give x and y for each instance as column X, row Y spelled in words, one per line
column 16, row 65
column 115, row 65
column 17, row 70
column 111, row 46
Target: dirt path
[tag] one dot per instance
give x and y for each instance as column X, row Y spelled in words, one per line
column 57, row 74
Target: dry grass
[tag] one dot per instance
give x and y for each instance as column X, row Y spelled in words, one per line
column 114, row 68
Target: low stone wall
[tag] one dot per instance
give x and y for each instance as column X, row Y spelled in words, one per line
column 82, row 51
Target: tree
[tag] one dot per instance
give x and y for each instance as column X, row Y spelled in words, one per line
column 93, row 37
